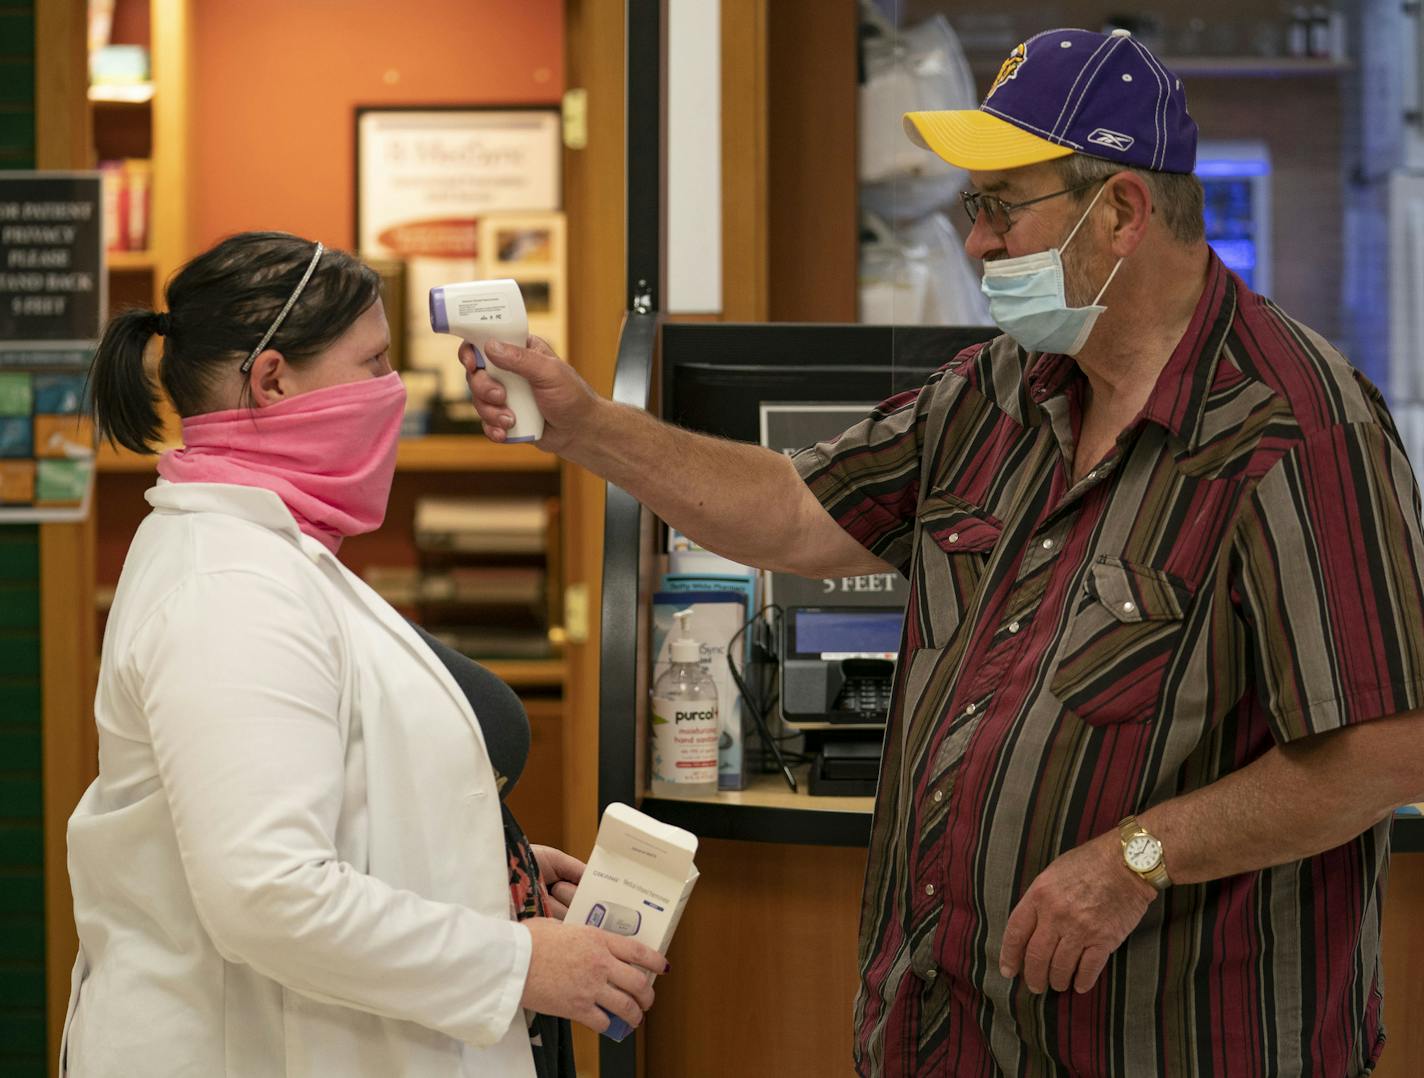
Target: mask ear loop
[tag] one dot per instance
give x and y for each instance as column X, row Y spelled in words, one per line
column 1064, row 245
column 1109, row 281
column 1102, row 291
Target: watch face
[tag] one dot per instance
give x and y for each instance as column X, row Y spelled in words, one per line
column 1143, row 853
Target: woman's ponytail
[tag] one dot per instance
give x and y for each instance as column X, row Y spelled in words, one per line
column 122, row 398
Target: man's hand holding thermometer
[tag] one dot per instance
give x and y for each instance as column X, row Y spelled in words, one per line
column 521, row 389
column 488, row 313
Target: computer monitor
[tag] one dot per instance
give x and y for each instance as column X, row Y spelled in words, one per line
column 716, row 375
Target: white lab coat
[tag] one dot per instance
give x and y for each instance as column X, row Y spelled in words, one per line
column 293, row 860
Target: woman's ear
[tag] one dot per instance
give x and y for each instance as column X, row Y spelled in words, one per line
column 1130, row 200
column 270, row 378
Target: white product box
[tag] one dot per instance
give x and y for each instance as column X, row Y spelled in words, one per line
column 638, row 879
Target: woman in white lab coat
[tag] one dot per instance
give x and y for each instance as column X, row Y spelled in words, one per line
column 295, row 859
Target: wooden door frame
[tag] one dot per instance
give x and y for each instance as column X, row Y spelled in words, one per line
column 63, row 140
column 595, row 198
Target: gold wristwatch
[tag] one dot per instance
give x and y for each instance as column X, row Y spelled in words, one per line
column 1142, row 853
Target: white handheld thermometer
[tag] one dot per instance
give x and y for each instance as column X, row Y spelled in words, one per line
column 484, row 311
column 611, row 917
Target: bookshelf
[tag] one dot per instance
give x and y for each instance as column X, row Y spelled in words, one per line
column 1214, row 67
column 154, row 120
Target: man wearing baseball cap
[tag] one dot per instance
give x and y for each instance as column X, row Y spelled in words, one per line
column 1160, row 684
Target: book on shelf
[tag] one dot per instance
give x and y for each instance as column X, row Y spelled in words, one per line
column 464, row 585
column 482, row 525
column 127, row 187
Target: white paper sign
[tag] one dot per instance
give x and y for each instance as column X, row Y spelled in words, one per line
column 426, row 178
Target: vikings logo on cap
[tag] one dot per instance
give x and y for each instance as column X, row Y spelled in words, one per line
column 1009, row 70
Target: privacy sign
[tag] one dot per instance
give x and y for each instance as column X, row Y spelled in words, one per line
column 52, row 300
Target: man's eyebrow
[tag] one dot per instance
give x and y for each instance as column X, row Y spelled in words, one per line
column 995, row 187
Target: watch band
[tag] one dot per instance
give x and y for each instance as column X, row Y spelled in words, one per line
column 1157, row 876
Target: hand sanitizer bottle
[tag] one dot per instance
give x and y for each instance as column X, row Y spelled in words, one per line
column 685, row 728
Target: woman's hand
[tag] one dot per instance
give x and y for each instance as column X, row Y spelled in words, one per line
column 559, row 874
column 575, row 969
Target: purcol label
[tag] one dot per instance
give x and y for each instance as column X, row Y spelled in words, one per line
column 684, row 748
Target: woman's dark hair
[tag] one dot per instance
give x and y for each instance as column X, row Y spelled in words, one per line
column 219, row 306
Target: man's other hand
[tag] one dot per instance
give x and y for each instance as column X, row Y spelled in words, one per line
column 1073, row 917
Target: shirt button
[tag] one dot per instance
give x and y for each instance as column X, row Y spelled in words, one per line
column 1013, row 626
column 954, row 537
column 929, row 889
column 938, row 796
column 931, row 973
column 971, row 709
column 1048, row 544
column 1128, row 608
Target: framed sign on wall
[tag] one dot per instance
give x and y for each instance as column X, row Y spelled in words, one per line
column 52, row 300
column 462, row 193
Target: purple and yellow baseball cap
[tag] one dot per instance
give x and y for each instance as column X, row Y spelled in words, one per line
column 1069, row 91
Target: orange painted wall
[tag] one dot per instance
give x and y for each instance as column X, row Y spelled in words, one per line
column 275, row 83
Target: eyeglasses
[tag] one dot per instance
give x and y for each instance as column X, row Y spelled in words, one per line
column 999, row 213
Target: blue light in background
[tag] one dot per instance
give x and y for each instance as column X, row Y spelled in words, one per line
column 1240, row 256
column 1226, row 167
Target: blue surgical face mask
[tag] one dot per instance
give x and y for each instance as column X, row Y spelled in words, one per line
column 1026, row 298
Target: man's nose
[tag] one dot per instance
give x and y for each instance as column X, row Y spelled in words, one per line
column 982, row 240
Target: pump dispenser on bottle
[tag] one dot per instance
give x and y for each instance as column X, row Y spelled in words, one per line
column 685, row 727
column 484, row 311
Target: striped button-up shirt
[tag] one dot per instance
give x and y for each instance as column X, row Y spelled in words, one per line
column 1242, row 570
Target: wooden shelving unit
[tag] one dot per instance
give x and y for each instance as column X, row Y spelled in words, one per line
column 528, row 673
column 1225, row 67
column 155, row 120
column 470, row 453
column 131, row 261
column 137, row 94
column 1268, row 67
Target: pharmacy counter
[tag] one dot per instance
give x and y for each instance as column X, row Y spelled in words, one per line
column 769, row 811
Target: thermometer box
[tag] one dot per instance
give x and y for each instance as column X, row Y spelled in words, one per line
column 637, row 882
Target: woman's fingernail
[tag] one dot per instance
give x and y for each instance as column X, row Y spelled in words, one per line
column 508, row 421
column 667, row 967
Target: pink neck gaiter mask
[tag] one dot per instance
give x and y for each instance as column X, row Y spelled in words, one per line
column 329, row 454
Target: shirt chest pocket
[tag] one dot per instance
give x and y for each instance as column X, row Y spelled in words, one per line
column 1117, row 656
column 954, row 544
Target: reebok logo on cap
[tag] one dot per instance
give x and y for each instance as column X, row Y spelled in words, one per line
column 1069, row 91
column 1113, row 140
